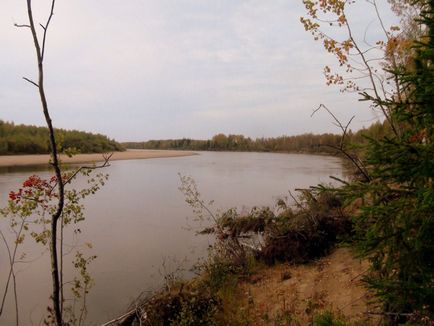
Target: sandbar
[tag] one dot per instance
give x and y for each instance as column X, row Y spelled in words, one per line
column 40, row 159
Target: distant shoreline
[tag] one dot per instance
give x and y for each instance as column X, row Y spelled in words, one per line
column 40, row 159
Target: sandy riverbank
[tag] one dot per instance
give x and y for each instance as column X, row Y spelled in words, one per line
column 22, row 160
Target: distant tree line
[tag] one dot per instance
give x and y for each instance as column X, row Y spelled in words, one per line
column 23, row 139
column 305, row 143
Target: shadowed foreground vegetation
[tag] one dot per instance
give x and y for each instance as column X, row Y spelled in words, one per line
column 248, row 247
column 23, row 139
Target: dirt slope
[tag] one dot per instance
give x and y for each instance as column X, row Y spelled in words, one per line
column 332, row 283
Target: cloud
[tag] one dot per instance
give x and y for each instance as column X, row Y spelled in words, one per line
column 161, row 69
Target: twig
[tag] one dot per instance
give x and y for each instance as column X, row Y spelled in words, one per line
column 16, row 298
column 21, row 25
column 361, row 169
column 31, row 81
column 105, row 164
column 357, row 163
column 354, row 301
column 129, row 313
column 305, row 191
column 10, row 271
column 83, row 309
column 93, row 167
column 371, row 75
column 358, row 275
column 338, row 123
column 45, row 28
column 396, row 314
column 12, row 257
column 295, row 199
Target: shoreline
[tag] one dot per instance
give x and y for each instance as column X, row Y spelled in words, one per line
column 41, row 159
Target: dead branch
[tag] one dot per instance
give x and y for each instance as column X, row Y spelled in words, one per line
column 295, row 199
column 120, row 318
column 341, row 148
column 338, row 123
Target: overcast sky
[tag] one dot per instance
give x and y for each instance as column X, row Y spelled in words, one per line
column 152, row 69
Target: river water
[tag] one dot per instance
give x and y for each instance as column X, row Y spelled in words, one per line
column 141, row 228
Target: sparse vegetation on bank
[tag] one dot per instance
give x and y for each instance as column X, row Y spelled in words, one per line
column 249, row 246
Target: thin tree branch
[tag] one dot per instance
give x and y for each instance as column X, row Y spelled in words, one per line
column 105, row 164
column 295, row 199
column 395, row 314
column 45, row 28
column 371, row 77
column 12, row 258
column 129, row 313
column 30, row 81
column 377, row 12
column 10, row 272
column 21, row 25
column 16, row 298
column 359, row 165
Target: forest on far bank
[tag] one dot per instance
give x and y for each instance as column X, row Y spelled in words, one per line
column 305, row 143
column 24, row 139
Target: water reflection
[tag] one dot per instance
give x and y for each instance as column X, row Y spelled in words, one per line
column 23, row 169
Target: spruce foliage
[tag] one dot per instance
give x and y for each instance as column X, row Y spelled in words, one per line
column 395, row 227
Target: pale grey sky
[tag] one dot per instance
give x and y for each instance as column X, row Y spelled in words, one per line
column 152, row 69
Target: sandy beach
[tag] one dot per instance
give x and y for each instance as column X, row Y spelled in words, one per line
column 22, row 160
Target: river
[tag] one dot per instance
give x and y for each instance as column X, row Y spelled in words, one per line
column 141, row 228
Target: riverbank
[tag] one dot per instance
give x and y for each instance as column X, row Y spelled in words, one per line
column 40, row 159
column 332, row 285
column 327, row 291
column 298, row 275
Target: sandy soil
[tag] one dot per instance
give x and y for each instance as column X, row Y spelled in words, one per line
column 21, row 160
column 332, row 283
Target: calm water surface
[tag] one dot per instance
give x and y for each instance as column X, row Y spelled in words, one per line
column 138, row 221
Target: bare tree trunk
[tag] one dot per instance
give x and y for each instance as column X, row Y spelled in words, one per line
column 40, row 51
